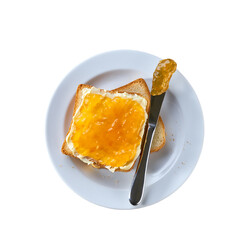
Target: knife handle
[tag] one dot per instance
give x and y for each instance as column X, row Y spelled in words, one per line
column 139, row 177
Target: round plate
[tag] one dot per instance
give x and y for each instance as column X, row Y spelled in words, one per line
column 167, row 170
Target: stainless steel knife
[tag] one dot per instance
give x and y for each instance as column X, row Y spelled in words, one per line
column 161, row 78
column 139, row 177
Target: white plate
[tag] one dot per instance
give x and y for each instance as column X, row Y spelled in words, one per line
column 168, row 169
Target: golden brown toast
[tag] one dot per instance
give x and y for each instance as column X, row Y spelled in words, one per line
column 138, row 87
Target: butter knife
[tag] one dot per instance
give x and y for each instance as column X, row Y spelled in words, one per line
column 139, row 177
column 160, row 84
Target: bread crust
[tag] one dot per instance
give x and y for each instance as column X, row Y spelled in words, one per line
column 156, row 149
column 138, row 87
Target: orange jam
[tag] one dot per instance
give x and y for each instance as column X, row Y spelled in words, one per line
column 162, row 76
column 108, row 129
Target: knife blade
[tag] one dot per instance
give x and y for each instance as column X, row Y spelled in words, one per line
column 139, row 177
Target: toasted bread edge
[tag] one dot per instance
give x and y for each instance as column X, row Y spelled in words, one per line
column 163, row 136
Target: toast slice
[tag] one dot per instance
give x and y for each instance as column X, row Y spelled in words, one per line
column 138, row 87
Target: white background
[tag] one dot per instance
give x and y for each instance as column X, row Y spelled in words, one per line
column 40, row 42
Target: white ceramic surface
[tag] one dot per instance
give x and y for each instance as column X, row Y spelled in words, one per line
column 167, row 170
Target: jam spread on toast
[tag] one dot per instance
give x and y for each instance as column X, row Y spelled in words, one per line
column 108, row 129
